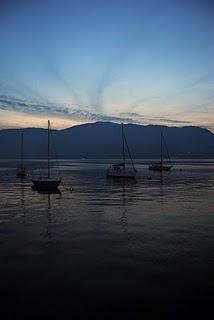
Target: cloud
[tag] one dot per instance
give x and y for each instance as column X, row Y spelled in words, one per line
column 15, row 104
column 130, row 114
column 21, row 90
column 205, row 79
column 142, row 118
column 199, row 88
column 172, row 121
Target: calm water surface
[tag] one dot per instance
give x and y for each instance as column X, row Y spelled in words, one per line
column 109, row 248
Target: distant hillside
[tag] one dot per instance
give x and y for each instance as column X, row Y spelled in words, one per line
column 103, row 140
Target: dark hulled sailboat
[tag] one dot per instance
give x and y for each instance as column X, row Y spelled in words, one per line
column 47, row 182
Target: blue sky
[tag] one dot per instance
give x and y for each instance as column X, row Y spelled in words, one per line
column 134, row 61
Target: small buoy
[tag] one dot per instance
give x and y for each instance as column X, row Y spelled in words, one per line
column 180, row 169
column 149, row 177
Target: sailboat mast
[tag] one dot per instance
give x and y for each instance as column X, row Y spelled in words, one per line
column 161, row 149
column 48, row 148
column 167, row 151
column 124, row 159
column 127, row 146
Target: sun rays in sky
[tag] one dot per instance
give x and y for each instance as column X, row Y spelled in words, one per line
column 148, row 62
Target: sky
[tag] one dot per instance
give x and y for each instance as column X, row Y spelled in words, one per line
column 78, row 61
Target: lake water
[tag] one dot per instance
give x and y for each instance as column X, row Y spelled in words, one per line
column 108, row 249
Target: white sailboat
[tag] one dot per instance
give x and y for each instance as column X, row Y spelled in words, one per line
column 21, row 171
column 121, row 169
column 161, row 166
column 47, row 183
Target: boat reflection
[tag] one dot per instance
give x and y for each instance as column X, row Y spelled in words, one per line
column 49, row 217
column 22, row 199
column 121, row 182
column 42, row 191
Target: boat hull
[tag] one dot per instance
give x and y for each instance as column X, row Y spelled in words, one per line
column 122, row 173
column 21, row 172
column 49, row 184
column 157, row 167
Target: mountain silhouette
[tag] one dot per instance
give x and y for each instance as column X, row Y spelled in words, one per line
column 103, row 140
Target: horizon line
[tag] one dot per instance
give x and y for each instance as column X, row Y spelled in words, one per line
column 111, row 122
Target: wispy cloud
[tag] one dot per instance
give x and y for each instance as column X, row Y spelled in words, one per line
column 206, row 79
column 16, row 104
column 21, row 90
column 142, row 118
column 78, row 113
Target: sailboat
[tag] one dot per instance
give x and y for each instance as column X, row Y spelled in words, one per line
column 21, row 171
column 161, row 166
column 47, row 182
column 120, row 170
